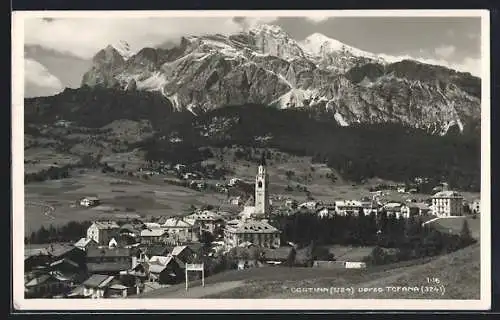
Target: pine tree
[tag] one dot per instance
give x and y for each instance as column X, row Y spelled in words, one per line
column 465, row 234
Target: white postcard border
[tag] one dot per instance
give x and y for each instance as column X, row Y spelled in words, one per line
column 20, row 303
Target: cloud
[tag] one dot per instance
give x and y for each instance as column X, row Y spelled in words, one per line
column 248, row 22
column 85, row 36
column 445, row 51
column 317, row 18
column 471, row 65
column 37, row 74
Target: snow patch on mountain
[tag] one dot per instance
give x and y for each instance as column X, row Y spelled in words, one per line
column 296, row 98
column 340, row 120
column 123, row 49
column 174, row 99
column 318, row 44
column 154, row 83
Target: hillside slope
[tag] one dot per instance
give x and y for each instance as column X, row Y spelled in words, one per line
column 458, row 272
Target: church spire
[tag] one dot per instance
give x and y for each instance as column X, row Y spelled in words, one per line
column 263, row 159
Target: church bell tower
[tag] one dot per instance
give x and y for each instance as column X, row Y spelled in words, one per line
column 262, row 189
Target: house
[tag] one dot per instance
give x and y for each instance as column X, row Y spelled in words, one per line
column 103, row 231
column 369, row 206
column 310, row 205
column 68, row 269
column 89, row 202
column 47, row 286
column 152, row 236
column 394, row 208
column 35, row 258
column 180, row 230
column 475, row 206
column 131, row 230
column 62, row 123
column 258, row 232
column 355, row 265
column 247, row 256
column 325, row 264
column 415, row 209
column 281, row 255
column 237, row 201
column 165, row 270
column 291, row 203
column 153, row 250
column 85, row 243
column 324, row 212
column 66, row 251
column 190, row 175
column 108, row 260
column 234, row 181
column 184, row 253
column 96, row 286
column 152, row 225
column 206, row 219
column 447, row 203
column 348, row 207
column 113, row 243
column 179, row 167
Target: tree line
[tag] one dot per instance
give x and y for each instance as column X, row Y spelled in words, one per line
column 70, row 232
column 409, row 237
column 357, row 152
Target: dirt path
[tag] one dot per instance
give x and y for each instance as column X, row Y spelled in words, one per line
column 192, row 292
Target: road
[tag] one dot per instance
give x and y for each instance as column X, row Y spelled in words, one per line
column 194, row 292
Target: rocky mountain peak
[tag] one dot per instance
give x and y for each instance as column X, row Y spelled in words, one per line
column 267, row 66
column 108, row 55
column 123, row 49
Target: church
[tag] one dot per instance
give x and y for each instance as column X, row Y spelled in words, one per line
column 253, row 227
column 260, row 209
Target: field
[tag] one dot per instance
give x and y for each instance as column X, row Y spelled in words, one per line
column 53, row 202
column 458, row 273
column 454, row 225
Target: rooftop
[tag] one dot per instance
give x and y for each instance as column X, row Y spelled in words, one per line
column 35, row 252
column 253, row 226
column 83, row 242
column 109, row 266
column 38, row 280
column 176, row 223
column 58, row 250
column 91, row 198
column 108, row 252
column 158, row 250
column 106, row 224
column 447, row 194
column 178, row 249
column 158, row 263
column 153, row 232
column 98, row 281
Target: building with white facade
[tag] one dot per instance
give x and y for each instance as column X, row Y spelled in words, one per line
column 258, row 232
column 348, row 207
column 447, row 204
column 103, row 231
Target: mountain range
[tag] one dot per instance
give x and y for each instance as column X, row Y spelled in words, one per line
column 266, row 66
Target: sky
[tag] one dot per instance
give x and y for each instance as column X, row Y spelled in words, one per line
column 449, row 41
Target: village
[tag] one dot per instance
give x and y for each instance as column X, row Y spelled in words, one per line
column 126, row 258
